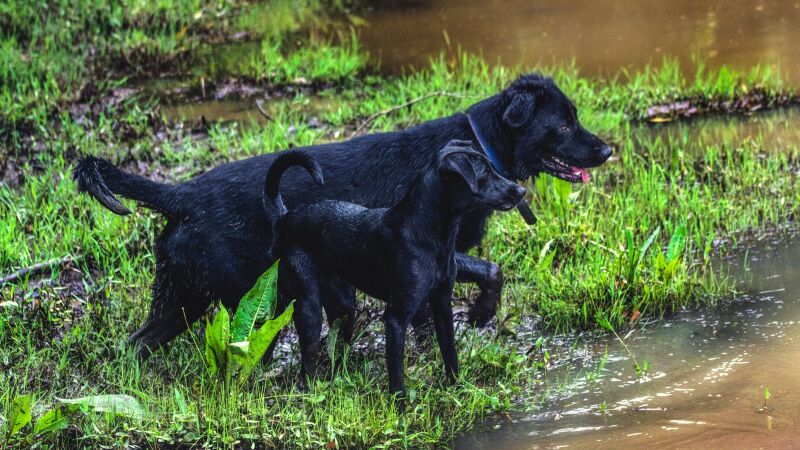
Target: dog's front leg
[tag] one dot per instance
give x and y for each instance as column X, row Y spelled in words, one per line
column 489, row 279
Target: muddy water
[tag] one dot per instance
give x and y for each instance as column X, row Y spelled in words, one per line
column 707, row 381
column 601, row 36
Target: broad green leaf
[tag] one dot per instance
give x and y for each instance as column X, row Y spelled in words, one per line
column 563, row 189
column 330, row 341
column 234, row 363
column 629, row 243
column 647, row 245
column 239, row 348
column 211, row 357
column 603, row 322
column 261, row 339
column 19, row 414
column 257, row 305
column 676, row 243
column 631, row 249
column 180, row 401
column 217, row 338
column 52, row 420
column 120, row 404
column 544, row 250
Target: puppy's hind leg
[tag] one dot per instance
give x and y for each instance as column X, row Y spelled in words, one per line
column 339, row 302
column 298, row 279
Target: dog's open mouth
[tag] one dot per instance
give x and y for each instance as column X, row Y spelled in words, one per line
column 560, row 169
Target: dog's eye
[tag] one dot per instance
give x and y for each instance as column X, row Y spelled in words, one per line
column 563, row 128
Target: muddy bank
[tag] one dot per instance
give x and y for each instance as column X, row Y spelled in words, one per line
column 747, row 104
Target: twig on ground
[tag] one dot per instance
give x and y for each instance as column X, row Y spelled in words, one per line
column 36, row 268
column 263, row 111
column 388, row 111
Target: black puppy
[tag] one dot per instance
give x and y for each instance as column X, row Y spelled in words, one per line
column 404, row 255
column 215, row 243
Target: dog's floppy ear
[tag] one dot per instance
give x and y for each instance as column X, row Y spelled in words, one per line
column 459, row 160
column 518, row 111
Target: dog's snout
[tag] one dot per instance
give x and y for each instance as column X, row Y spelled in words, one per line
column 605, row 151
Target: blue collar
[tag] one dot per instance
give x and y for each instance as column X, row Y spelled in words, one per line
column 488, row 151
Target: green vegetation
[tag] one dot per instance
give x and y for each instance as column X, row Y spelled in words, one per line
column 235, row 348
column 635, row 241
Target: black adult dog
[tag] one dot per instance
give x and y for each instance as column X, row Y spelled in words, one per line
column 404, row 255
column 215, row 243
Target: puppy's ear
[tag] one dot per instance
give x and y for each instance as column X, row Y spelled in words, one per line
column 519, row 110
column 460, row 164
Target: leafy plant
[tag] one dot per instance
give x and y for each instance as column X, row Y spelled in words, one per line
column 667, row 265
column 234, row 348
column 19, row 415
column 57, row 418
column 119, row 404
column 635, row 254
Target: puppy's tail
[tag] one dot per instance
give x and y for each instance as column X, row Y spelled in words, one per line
column 101, row 179
column 287, row 159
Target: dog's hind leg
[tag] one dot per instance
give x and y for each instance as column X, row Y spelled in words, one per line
column 174, row 308
column 162, row 326
column 489, row 279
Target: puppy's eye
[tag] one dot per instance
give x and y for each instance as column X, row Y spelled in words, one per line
column 563, row 128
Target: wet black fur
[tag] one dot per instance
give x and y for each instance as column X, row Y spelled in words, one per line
column 404, row 255
column 216, row 242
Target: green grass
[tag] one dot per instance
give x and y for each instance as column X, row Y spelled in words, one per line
column 62, row 334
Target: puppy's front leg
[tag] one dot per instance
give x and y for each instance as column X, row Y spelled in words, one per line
column 308, row 321
column 397, row 317
column 489, row 279
column 442, row 308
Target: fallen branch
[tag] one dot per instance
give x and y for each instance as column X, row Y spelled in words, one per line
column 34, row 269
column 388, row 111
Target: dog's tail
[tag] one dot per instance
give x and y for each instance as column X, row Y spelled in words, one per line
column 101, row 179
column 287, row 159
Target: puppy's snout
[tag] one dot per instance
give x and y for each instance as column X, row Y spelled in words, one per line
column 512, row 197
column 604, row 151
column 518, row 192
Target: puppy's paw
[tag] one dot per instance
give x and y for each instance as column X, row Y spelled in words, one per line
column 479, row 317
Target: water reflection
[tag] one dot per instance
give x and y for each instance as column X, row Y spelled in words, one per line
column 601, row 36
column 707, row 385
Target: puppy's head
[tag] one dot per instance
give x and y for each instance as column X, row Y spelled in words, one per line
column 471, row 182
column 543, row 125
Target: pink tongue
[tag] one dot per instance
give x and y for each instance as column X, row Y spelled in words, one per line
column 582, row 172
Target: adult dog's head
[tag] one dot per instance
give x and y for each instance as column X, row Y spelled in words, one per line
column 534, row 128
